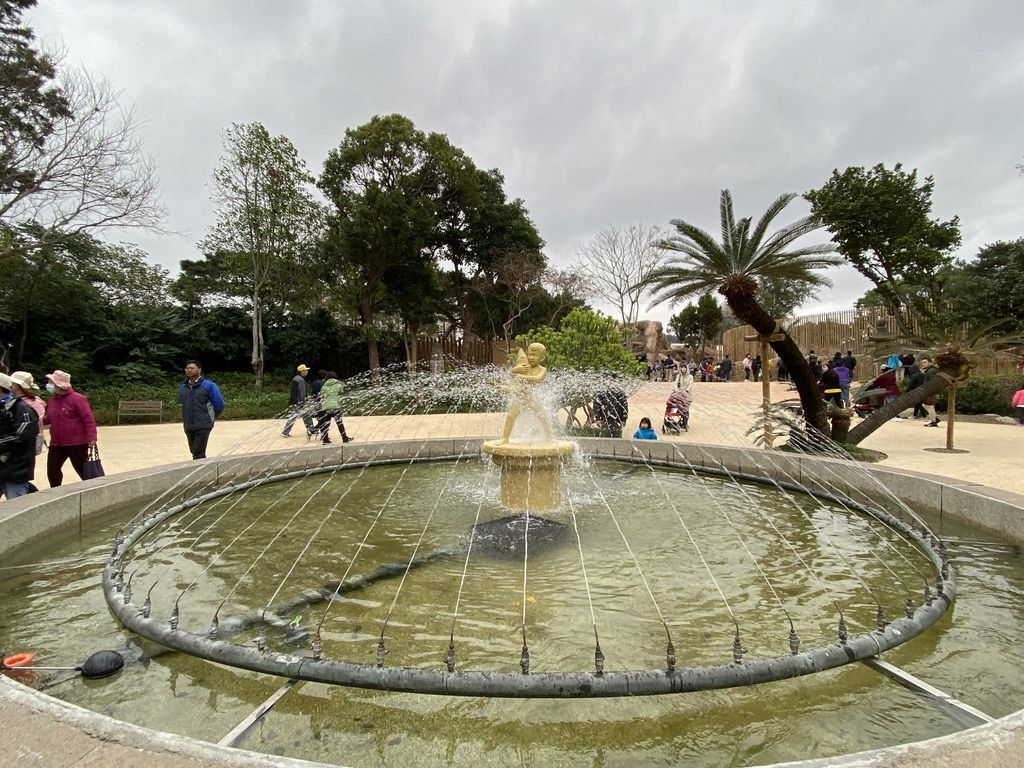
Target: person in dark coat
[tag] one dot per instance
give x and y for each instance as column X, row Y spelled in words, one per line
column 299, row 407
column 19, row 425
column 725, row 369
column 201, row 404
column 829, row 384
column 611, row 410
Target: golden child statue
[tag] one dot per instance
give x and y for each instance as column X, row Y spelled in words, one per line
column 527, row 371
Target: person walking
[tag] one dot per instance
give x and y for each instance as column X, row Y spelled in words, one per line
column 1017, row 403
column 72, row 428
column 330, row 408
column 24, row 386
column 831, row 389
column 929, row 402
column 725, row 369
column 684, row 383
column 915, row 378
column 887, row 380
column 201, row 404
column 748, row 363
column 318, row 382
column 19, row 426
column 297, row 400
column 845, row 377
column 755, row 368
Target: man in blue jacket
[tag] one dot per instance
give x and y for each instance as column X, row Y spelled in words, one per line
column 201, row 404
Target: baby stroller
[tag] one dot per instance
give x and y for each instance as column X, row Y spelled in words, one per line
column 677, row 414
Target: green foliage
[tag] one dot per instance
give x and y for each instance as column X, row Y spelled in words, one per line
column 991, row 287
column 985, row 394
column 585, row 340
column 242, row 400
column 780, row 297
column 698, row 324
column 880, row 221
column 31, row 104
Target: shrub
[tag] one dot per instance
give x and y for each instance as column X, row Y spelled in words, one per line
column 986, row 394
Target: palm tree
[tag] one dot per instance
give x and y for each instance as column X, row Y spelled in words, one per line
column 734, row 266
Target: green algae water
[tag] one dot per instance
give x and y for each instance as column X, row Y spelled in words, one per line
column 659, row 551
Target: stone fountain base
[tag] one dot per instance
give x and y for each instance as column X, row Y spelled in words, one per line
column 530, row 473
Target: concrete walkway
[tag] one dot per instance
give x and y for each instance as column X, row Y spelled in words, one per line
column 720, row 415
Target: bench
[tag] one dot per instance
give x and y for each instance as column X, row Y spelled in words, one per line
column 140, row 408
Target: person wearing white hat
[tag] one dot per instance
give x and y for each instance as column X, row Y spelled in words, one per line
column 24, row 386
column 298, row 405
column 19, row 426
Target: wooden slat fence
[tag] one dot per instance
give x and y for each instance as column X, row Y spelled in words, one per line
column 831, row 332
column 479, row 352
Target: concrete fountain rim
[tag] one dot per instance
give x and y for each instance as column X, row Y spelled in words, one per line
column 30, row 518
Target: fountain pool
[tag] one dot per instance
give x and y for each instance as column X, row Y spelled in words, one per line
column 56, row 608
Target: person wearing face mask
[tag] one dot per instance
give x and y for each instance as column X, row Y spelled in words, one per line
column 19, row 426
column 24, row 387
column 72, row 428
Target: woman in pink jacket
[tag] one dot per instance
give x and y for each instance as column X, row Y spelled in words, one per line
column 1018, row 404
column 72, row 428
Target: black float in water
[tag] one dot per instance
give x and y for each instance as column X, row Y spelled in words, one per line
column 100, row 664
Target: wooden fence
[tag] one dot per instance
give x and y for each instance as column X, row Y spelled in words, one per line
column 849, row 330
column 478, row 351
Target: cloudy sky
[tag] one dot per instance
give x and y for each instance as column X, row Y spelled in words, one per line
column 597, row 113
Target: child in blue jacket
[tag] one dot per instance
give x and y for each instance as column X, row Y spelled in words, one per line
column 645, row 432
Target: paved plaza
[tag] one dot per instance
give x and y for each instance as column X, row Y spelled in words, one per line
column 720, row 415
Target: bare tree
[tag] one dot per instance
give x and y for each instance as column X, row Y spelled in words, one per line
column 617, row 261
column 566, row 287
column 87, row 174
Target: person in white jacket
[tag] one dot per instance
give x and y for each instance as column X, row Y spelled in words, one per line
column 684, row 382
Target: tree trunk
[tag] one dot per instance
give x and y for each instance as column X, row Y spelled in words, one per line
column 743, row 304
column 412, row 350
column 909, row 399
column 840, row 424
column 366, row 321
column 257, row 340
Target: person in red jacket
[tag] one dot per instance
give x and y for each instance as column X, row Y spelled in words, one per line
column 72, row 428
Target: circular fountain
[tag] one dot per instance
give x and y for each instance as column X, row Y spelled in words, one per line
column 844, row 517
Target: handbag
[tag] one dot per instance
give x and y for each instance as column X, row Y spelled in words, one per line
column 93, row 465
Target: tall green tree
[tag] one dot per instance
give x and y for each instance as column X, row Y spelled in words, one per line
column 267, row 219
column 383, row 183
column 880, row 220
column 494, row 251
column 698, row 324
column 697, row 263
column 30, row 101
column 991, row 286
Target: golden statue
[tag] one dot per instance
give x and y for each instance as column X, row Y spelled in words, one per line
column 527, row 371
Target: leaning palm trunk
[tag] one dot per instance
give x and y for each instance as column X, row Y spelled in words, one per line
column 909, row 399
column 745, row 307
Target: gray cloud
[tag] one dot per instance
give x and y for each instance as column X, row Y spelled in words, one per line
column 596, row 113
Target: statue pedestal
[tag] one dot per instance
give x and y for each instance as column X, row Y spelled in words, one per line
column 530, row 473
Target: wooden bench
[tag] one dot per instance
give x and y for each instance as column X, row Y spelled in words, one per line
column 140, row 408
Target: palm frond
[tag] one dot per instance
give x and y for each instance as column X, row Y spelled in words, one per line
column 772, row 211
column 728, row 219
